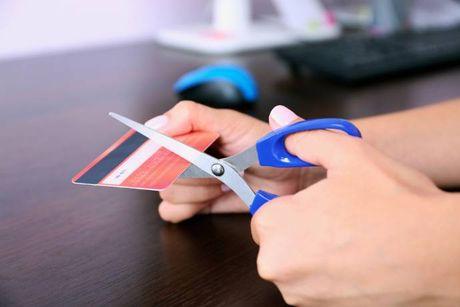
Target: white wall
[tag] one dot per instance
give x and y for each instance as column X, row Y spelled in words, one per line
column 30, row 27
column 35, row 26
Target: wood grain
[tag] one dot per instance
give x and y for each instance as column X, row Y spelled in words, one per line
column 67, row 245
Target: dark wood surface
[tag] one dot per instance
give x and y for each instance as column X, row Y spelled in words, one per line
column 65, row 245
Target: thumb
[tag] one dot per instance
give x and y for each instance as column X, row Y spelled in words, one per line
column 332, row 150
column 329, row 149
column 184, row 117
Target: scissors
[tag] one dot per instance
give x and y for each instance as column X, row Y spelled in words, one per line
column 268, row 151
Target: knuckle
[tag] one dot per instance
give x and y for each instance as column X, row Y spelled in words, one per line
column 266, row 269
column 271, row 265
column 307, row 295
column 164, row 212
column 290, row 299
column 272, row 269
column 186, row 105
column 268, row 215
column 184, row 109
column 277, row 208
column 167, row 214
column 259, row 225
column 257, row 221
column 167, row 194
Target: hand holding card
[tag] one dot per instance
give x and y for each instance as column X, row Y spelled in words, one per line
column 139, row 163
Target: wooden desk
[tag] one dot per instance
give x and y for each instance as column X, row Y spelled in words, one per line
column 63, row 245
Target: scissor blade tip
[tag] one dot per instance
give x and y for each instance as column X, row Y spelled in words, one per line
column 117, row 116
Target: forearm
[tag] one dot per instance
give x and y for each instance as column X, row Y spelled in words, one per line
column 427, row 139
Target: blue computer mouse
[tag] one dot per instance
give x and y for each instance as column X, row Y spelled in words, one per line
column 218, row 86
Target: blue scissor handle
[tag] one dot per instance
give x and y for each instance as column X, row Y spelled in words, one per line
column 262, row 197
column 272, row 151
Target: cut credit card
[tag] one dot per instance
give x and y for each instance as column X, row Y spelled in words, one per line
column 136, row 162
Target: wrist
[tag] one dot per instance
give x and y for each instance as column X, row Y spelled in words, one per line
column 445, row 269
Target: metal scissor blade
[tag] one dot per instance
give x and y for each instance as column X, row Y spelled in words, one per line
column 239, row 162
column 194, row 172
column 194, row 156
column 229, row 176
column 244, row 159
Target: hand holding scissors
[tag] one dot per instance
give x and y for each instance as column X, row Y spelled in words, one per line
column 269, row 151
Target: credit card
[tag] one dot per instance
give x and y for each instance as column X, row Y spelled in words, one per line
column 136, row 162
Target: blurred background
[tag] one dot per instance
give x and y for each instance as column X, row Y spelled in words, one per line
column 30, row 27
column 348, row 41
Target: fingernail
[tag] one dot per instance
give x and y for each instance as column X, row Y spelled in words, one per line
column 283, row 116
column 157, row 122
column 224, row 188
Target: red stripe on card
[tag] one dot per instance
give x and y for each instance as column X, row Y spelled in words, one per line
column 180, row 163
column 146, row 176
column 175, row 165
column 160, row 170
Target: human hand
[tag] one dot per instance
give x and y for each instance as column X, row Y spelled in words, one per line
column 187, row 197
column 374, row 232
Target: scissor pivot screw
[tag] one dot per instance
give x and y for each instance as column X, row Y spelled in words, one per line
column 217, row 169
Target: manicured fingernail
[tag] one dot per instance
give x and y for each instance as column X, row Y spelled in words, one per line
column 157, row 122
column 224, row 188
column 283, row 116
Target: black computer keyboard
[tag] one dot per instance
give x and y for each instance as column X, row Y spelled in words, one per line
column 358, row 58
